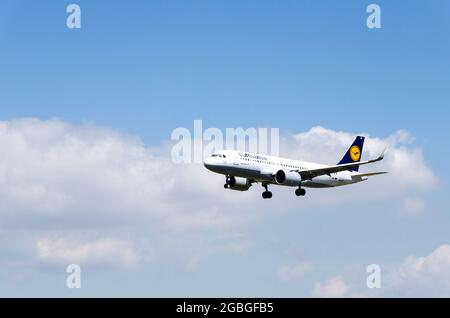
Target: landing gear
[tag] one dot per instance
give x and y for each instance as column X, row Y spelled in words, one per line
column 300, row 192
column 266, row 194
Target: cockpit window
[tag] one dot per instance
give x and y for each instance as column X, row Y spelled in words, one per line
column 224, row 156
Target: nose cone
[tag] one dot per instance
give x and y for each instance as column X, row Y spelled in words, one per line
column 208, row 163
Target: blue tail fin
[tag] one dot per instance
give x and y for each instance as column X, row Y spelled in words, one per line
column 353, row 153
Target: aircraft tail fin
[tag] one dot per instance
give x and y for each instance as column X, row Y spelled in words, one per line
column 353, row 153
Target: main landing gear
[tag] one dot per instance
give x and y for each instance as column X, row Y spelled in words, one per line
column 266, row 194
column 300, row 192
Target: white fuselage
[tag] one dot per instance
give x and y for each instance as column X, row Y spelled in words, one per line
column 262, row 168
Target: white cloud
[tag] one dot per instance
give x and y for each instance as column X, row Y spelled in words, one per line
column 426, row 275
column 333, row 288
column 416, row 276
column 50, row 168
column 55, row 176
column 102, row 251
column 288, row 273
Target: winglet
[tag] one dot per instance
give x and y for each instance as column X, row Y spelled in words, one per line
column 381, row 157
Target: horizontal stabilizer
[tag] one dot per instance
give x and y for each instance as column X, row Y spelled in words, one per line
column 371, row 174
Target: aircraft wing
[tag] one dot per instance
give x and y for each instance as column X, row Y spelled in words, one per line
column 312, row 173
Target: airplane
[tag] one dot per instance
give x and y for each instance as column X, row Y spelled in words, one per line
column 242, row 169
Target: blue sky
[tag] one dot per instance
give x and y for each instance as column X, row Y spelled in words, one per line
column 145, row 68
column 317, row 62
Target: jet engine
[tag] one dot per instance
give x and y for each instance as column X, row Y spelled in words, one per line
column 238, row 184
column 288, row 178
